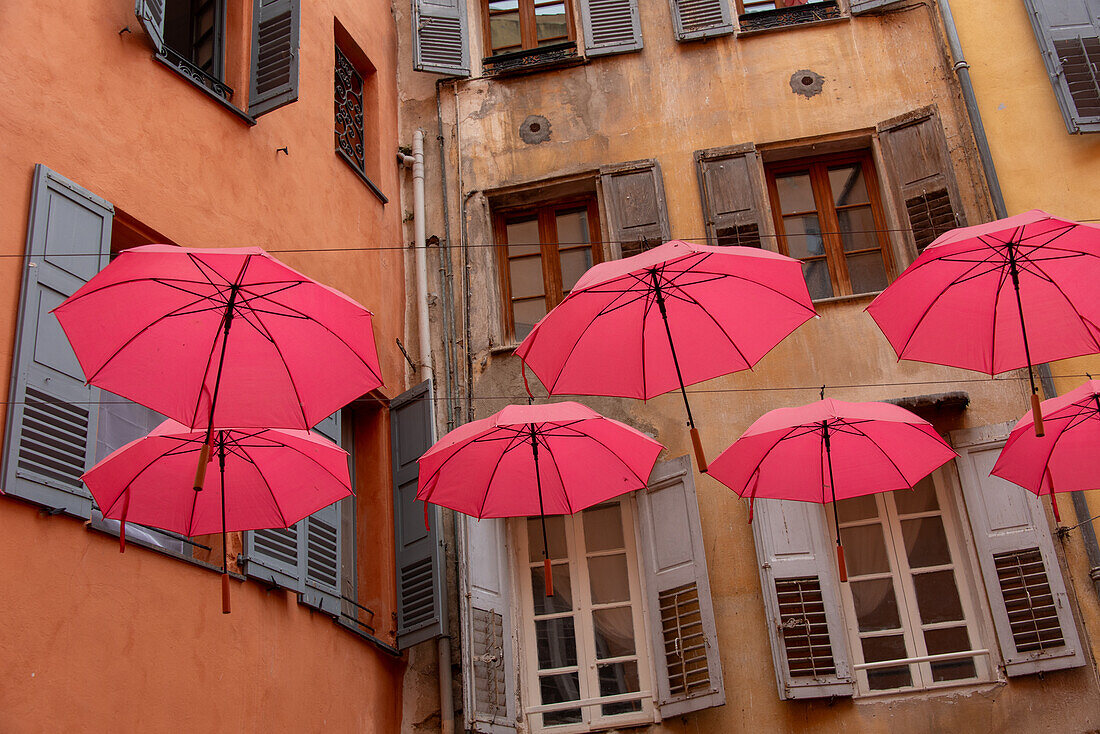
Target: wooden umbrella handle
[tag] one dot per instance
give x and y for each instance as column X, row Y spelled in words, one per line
column 843, row 568
column 1037, row 414
column 200, row 471
column 548, row 574
column 700, row 457
column 225, row 593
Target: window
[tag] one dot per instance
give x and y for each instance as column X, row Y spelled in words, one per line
column 542, row 251
column 587, row 642
column 355, row 101
column 766, row 14
column 194, row 40
column 828, row 215
column 906, row 596
column 522, row 25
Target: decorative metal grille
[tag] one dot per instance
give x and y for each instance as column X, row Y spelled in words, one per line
column 685, row 644
column 193, row 72
column 1032, row 613
column 764, row 19
column 804, row 628
column 349, row 113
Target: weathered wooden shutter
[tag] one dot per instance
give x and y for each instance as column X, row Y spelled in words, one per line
column 488, row 647
column 273, row 555
column 1027, row 596
column 610, row 26
column 1068, row 32
column 683, row 634
column 150, row 13
column 732, row 193
column 421, row 605
column 320, row 562
column 49, row 441
column 634, row 195
column 275, row 30
column 440, row 37
column 859, row 7
column 801, row 600
column 923, row 179
column 701, row 19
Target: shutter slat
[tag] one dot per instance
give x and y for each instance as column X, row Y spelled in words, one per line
column 1068, row 33
column 610, row 26
column 440, row 42
column 275, row 32
column 701, row 19
column 150, row 13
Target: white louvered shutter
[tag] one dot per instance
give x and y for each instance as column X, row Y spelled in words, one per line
column 440, row 37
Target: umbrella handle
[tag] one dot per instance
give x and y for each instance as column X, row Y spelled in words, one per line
column 700, row 457
column 842, row 567
column 200, row 471
column 1037, row 414
column 122, row 522
column 548, row 574
column 225, row 593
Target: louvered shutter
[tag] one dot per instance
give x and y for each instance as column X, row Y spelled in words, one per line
column 273, row 555
column 275, row 30
column 682, row 628
column 1068, row 32
column 701, row 19
column 634, row 196
column 49, row 440
column 421, row 605
column 801, row 600
column 922, row 176
column 440, row 37
column 1023, row 581
column 610, row 26
column 488, row 649
column 150, row 13
column 859, row 7
column 732, row 191
column 321, row 566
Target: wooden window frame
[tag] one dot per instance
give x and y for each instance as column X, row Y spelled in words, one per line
column 550, row 250
column 527, row 29
column 588, row 677
column 835, row 256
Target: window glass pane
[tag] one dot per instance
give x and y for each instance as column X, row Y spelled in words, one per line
column 848, row 185
column 796, row 194
column 921, row 498
column 925, row 542
column 525, row 276
column 525, row 314
column 557, row 643
column 550, row 22
column 876, row 605
column 504, row 31
column 523, row 237
column 754, row 6
column 857, row 508
column 558, row 688
column 555, row 536
column 865, row 550
column 609, row 579
column 867, row 272
column 952, row 639
column 817, row 278
column 572, row 227
column 877, row 649
column 803, row 235
column 603, row 528
column 857, row 228
column 573, row 264
column 617, row 678
column 937, row 597
column 562, row 600
column 614, row 632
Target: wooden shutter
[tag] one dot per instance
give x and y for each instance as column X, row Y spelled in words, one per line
column 150, row 13
column 683, row 634
column 1023, row 581
column 488, row 647
column 733, row 194
column 859, row 7
column 634, row 196
column 440, row 37
column 701, row 19
column 275, row 29
column 49, row 440
column 274, row 556
column 321, row 562
column 801, row 600
column 1068, row 32
column 610, row 26
column 421, row 605
column 921, row 174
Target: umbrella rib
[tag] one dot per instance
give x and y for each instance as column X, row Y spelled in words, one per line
column 757, row 283
column 270, row 490
column 591, row 322
column 993, row 327
column 561, row 479
column 713, row 320
column 132, row 480
column 756, row 469
column 605, row 447
column 282, row 360
column 492, row 476
column 1069, row 302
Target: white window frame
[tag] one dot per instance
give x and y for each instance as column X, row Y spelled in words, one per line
column 965, row 581
column 582, row 608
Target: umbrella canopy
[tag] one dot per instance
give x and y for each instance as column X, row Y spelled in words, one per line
column 1067, row 457
column 831, row 450
column 673, row 316
column 172, row 327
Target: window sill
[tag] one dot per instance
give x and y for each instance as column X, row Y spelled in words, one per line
column 504, row 349
column 363, row 177
column 845, row 299
column 786, row 18
column 96, row 526
column 205, row 90
column 532, row 60
column 966, row 687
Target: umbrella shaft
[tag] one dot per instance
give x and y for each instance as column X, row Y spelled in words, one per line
column 672, row 347
column 832, row 483
column 538, row 485
column 227, row 321
column 1014, row 272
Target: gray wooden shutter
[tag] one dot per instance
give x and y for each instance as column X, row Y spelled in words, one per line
column 273, row 555
column 801, row 600
column 421, row 604
column 321, row 566
column 610, row 26
column 701, row 19
column 634, row 197
column 440, row 37
column 859, row 7
column 150, row 13
column 1068, row 32
column 923, row 179
column 49, row 440
column 682, row 628
column 488, row 645
column 1023, row 581
column 275, row 30
column 732, row 193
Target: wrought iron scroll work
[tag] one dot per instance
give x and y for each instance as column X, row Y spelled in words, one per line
column 197, row 75
column 349, row 112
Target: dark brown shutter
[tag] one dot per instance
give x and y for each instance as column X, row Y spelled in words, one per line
column 923, row 180
column 635, row 199
column 732, row 193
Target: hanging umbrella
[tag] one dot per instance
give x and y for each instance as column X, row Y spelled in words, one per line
column 998, row 297
column 828, row 451
column 1067, row 457
column 266, row 478
column 673, row 316
column 535, row 460
column 221, row 337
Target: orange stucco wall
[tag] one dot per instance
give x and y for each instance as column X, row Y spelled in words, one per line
column 93, row 640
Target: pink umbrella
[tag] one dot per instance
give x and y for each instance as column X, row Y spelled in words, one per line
column 1069, row 451
column 490, row 467
column 788, row 454
column 962, row 302
column 267, row 478
column 672, row 316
